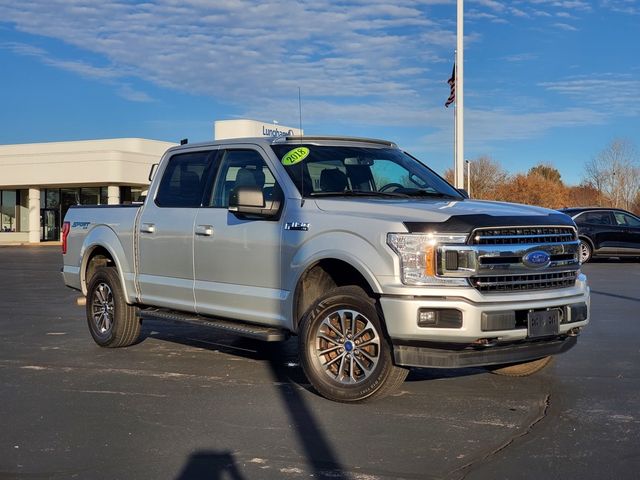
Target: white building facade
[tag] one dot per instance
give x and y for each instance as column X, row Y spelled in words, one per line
column 40, row 181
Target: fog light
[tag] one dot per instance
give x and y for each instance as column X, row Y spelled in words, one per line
column 439, row 318
column 427, row 318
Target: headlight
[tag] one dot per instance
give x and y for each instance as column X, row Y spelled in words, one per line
column 418, row 257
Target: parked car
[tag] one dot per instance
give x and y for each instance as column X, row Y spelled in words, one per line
column 606, row 232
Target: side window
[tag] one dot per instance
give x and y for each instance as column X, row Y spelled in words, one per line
column 241, row 168
column 595, row 218
column 183, row 180
column 626, row 220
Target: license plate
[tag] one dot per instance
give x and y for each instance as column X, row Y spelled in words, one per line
column 544, row 323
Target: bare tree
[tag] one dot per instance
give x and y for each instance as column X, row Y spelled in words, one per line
column 486, row 176
column 615, row 174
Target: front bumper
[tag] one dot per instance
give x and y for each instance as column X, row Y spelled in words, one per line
column 401, row 311
column 437, row 357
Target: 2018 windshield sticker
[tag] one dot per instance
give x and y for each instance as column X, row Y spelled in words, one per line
column 295, row 156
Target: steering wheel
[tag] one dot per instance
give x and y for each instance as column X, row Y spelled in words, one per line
column 388, row 186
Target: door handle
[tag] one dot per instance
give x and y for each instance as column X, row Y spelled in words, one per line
column 204, row 230
column 148, row 228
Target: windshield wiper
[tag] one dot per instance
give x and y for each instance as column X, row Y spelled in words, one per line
column 427, row 193
column 359, row 193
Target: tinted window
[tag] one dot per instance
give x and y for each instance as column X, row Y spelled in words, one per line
column 183, row 181
column 626, row 220
column 595, row 218
column 244, row 168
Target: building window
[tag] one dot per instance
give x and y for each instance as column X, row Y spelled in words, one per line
column 9, row 211
column 90, row 196
column 51, row 198
column 129, row 195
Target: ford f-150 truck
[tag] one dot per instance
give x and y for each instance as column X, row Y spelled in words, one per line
column 374, row 261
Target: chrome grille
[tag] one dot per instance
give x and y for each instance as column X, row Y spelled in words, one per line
column 522, row 235
column 500, row 252
column 517, row 283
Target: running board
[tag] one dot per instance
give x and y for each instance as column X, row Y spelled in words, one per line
column 259, row 332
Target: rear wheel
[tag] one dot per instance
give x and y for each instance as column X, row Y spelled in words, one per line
column 522, row 369
column 585, row 251
column 344, row 352
column 112, row 321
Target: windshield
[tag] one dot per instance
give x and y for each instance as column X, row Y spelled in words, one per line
column 342, row 171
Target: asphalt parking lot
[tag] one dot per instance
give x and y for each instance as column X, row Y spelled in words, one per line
column 189, row 403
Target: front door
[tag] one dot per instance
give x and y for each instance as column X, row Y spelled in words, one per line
column 237, row 261
column 49, row 224
column 166, row 232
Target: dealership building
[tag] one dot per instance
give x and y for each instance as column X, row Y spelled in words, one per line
column 40, row 181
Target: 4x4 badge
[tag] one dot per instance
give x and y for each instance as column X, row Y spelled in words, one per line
column 301, row 226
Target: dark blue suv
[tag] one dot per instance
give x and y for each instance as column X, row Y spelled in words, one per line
column 606, row 232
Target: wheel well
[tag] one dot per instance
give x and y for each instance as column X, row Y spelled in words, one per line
column 320, row 278
column 99, row 257
column 589, row 241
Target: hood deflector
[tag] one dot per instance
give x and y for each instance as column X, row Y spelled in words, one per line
column 468, row 223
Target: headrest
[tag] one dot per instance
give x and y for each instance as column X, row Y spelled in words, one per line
column 333, row 180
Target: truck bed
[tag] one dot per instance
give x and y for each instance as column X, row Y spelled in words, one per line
column 91, row 226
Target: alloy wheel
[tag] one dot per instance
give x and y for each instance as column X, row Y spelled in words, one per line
column 102, row 308
column 347, row 346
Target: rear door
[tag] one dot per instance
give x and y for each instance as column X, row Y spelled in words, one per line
column 238, row 260
column 166, row 231
column 599, row 226
column 628, row 231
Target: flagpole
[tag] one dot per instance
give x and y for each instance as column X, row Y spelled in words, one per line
column 455, row 125
column 459, row 105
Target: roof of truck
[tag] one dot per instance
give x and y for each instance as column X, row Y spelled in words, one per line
column 306, row 139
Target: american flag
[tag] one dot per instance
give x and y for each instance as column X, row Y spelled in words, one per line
column 452, row 84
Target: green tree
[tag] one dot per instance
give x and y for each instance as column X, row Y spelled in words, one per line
column 546, row 170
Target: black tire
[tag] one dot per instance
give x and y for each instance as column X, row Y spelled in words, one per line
column 586, row 251
column 359, row 365
column 523, row 369
column 112, row 321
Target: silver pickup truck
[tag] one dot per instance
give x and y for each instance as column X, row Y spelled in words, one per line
column 374, row 261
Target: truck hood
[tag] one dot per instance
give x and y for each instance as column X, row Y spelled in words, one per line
column 442, row 215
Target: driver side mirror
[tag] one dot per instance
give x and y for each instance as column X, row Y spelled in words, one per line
column 463, row 192
column 250, row 202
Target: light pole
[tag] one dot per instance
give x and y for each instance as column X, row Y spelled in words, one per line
column 468, row 162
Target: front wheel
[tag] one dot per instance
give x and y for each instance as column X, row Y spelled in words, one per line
column 344, row 352
column 523, row 369
column 112, row 321
column 585, row 251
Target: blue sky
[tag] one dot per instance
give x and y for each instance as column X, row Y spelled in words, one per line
column 545, row 80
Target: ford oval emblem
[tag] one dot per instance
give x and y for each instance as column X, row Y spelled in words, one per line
column 536, row 259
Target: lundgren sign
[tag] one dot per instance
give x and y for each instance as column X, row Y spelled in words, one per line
column 223, row 129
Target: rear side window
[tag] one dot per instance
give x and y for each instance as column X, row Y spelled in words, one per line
column 241, row 168
column 183, row 181
column 595, row 218
column 625, row 220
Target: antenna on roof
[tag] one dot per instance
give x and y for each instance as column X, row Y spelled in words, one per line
column 184, row 141
column 300, row 108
